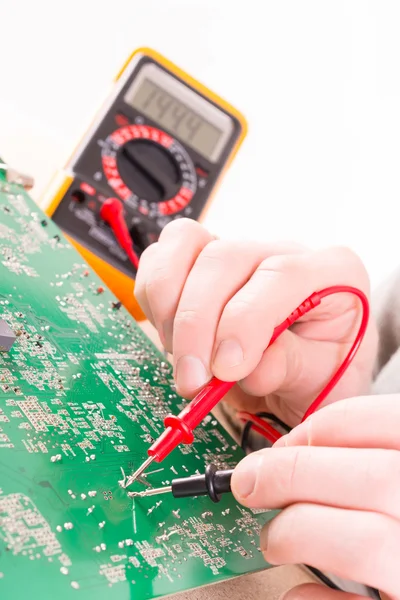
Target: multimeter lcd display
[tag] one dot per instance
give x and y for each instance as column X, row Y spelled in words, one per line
column 176, row 117
column 179, row 110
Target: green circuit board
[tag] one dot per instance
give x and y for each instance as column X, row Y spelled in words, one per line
column 83, row 393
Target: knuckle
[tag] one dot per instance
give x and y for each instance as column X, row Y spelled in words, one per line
column 158, row 280
column 239, row 310
column 288, row 472
column 390, row 471
column 380, row 528
column 180, row 226
column 145, row 261
column 139, row 292
column 382, row 474
column 140, row 297
column 345, row 257
column 159, row 274
column 287, row 270
column 279, row 532
column 309, row 427
column 188, row 319
column 215, row 255
column 285, row 473
column 278, row 264
column 349, row 258
column 216, row 251
column 149, row 251
column 288, row 266
column 387, row 463
column 345, row 254
column 344, row 408
column 295, row 468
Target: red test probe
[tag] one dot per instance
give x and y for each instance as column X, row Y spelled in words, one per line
column 112, row 212
column 179, row 429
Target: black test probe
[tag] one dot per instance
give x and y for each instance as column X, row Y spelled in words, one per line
column 213, row 483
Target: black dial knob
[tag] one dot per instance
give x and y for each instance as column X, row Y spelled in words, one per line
column 149, row 170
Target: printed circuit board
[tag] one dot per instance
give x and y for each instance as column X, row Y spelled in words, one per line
column 83, row 393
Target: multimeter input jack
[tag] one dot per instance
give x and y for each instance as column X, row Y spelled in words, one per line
column 78, row 196
column 112, row 212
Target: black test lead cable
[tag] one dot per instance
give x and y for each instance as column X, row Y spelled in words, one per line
column 213, row 484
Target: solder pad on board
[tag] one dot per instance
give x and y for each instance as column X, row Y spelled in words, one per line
column 83, row 392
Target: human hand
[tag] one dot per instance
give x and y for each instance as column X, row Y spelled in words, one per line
column 215, row 305
column 311, row 591
column 336, row 478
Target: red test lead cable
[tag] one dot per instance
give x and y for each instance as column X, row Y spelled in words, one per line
column 112, row 212
column 179, row 429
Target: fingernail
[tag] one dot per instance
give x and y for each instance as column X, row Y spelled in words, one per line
column 245, row 475
column 229, row 354
column 167, row 329
column 264, row 538
column 191, row 374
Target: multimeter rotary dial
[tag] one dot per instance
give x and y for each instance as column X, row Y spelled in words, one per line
column 149, row 169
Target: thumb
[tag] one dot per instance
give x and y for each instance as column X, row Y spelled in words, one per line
column 311, row 591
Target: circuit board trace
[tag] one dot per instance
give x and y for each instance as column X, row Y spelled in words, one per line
column 83, row 393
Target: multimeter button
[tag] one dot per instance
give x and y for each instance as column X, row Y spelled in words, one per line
column 88, row 189
column 202, row 172
column 121, row 119
column 78, row 196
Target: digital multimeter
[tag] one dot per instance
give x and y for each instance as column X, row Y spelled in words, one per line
column 159, row 145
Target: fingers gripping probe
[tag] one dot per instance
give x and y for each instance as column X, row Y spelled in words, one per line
column 179, row 429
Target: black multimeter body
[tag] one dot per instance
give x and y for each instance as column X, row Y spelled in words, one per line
column 159, row 144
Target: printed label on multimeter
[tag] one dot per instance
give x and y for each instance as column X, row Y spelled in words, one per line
column 159, row 145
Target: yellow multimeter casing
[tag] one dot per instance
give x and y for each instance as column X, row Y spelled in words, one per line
column 160, row 143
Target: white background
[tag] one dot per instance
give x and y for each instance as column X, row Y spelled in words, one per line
column 319, row 82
